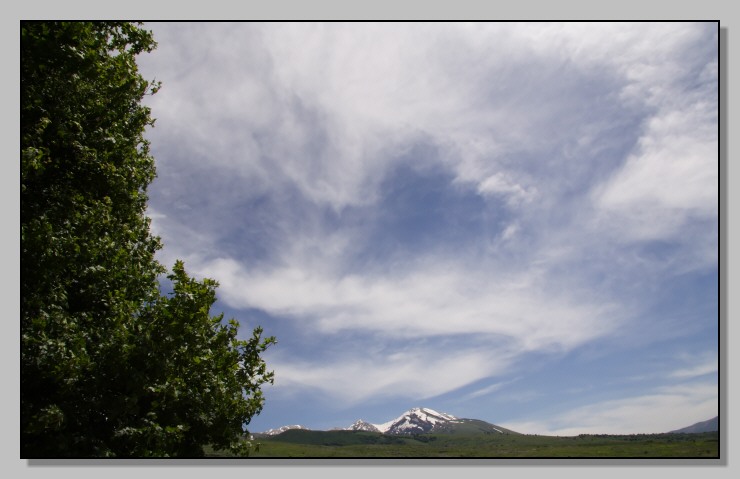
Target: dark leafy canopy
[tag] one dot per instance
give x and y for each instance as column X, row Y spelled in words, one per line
column 109, row 365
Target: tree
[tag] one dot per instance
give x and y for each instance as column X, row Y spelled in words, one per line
column 110, row 366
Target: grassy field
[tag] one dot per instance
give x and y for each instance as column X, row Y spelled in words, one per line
column 356, row 444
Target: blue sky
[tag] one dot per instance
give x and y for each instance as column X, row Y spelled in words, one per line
column 511, row 222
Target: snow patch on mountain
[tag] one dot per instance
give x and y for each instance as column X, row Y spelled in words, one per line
column 280, row 430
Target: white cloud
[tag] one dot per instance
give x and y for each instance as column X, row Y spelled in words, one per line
column 672, row 178
column 672, row 175
column 433, row 300
column 486, row 390
column 664, row 409
column 321, row 105
column 499, row 184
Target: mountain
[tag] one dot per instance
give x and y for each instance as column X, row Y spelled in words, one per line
column 280, row 430
column 422, row 420
column 415, row 421
column 704, row 426
column 419, row 420
column 361, row 425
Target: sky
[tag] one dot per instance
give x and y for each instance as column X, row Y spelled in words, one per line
column 513, row 222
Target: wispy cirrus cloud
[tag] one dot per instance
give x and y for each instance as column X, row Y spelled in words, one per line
column 439, row 299
column 540, row 187
column 697, row 365
column 411, row 373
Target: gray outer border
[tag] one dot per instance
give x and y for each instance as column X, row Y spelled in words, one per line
column 377, row 10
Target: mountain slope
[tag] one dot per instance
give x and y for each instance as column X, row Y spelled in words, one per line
column 471, row 426
column 709, row 425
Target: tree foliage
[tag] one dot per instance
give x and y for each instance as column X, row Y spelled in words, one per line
column 110, row 366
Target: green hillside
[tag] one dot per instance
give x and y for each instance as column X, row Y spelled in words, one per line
column 334, row 438
column 471, row 426
column 360, row 444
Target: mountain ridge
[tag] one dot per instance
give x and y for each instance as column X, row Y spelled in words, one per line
column 710, row 425
column 417, row 420
column 422, row 420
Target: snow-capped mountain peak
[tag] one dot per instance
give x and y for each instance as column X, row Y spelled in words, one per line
column 361, row 425
column 415, row 421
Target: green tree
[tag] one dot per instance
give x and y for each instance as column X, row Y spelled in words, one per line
column 109, row 365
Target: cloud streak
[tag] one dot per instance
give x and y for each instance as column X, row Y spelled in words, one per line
column 431, row 301
column 411, row 374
